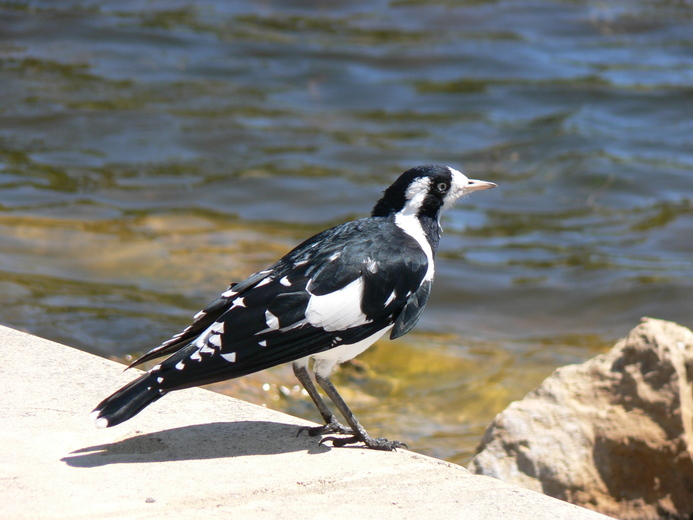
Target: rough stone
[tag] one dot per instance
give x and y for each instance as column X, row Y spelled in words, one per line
column 613, row 434
column 197, row 454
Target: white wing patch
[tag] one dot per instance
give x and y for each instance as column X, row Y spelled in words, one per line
column 211, row 335
column 271, row 320
column 231, row 358
column 207, row 343
column 339, row 310
column 264, row 282
column 239, row 302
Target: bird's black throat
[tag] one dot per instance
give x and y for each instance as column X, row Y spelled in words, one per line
column 431, row 227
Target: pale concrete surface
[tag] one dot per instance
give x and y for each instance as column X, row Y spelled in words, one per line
column 197, row 454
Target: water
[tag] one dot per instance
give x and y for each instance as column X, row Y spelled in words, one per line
column 153, row 151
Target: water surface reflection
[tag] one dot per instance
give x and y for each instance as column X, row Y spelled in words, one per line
column 152, row 152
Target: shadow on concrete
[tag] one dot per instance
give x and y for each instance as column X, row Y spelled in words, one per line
column 199, row 441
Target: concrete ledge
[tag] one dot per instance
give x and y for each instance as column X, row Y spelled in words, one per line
column 197, row 454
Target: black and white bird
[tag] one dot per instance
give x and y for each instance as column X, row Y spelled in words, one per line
column 328, row 299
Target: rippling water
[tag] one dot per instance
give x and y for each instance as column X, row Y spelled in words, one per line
column 153, row 151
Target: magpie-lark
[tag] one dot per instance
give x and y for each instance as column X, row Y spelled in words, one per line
column 328, row 299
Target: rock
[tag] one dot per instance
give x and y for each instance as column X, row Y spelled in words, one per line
column 199, row 454
column 613, row 434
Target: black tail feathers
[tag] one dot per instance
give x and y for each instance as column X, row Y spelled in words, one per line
column 127, row 402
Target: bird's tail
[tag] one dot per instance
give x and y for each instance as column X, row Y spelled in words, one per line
column 127, row 402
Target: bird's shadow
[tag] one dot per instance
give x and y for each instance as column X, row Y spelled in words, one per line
column 199, row 441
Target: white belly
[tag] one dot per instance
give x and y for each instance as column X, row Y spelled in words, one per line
column 325, row 361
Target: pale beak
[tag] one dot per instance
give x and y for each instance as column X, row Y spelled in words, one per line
column 474, row 185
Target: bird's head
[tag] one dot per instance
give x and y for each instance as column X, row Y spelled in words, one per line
column 426, row 191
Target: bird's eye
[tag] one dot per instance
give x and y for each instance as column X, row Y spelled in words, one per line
column 442, row 186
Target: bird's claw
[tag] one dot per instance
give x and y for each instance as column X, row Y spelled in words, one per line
column 333, row 426
column 376, row 444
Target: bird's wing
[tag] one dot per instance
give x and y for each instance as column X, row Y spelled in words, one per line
column 202, row 320
column 412, row 310
column 339, row 287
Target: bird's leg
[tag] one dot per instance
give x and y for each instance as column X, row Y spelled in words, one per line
column 332, row 425
column 359, row 432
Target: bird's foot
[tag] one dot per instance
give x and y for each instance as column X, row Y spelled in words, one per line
column 380, row 443
column 334, row 426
